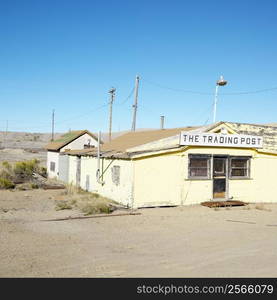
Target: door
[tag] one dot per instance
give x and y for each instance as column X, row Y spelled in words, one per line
column 63, row 167
column 219, row 178
column 78, row 171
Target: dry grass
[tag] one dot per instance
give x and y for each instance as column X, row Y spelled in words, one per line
column 261, row 206
column 88, row 203
column 19, row 172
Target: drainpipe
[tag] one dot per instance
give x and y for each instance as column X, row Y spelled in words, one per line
column 98, row 160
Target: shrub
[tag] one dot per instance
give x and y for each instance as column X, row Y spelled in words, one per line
column 96, row 208
column 62, row 204
column 34, row 186
column 26, row 167
column 6, row 183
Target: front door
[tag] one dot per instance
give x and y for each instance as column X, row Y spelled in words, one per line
column 219, row 178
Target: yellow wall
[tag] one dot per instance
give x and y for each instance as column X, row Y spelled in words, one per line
column 163, row 180
column 263, row 186
column 158, row 181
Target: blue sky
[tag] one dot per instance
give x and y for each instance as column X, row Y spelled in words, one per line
column 66, row 55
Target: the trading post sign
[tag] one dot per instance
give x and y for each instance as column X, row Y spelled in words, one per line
column 221, row 140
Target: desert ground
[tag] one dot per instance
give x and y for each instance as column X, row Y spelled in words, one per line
column 191, row 241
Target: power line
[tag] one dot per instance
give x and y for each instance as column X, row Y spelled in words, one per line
column 129, row 96
column 208, row 93
column 45, row 125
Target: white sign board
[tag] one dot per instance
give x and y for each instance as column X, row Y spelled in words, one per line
column 220, row 140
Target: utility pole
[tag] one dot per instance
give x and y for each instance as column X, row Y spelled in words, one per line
column 135, row 105
column 53, row 122
column 112, row 92
column 6, row 133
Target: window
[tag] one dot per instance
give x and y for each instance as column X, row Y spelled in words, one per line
column 199, row 166
column 116, row 175
column 239, row 167
column 52, row 166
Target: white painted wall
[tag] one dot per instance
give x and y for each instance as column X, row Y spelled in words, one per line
column 80, row 142
column 53, row 157
column 77, row 144
column 121, row 193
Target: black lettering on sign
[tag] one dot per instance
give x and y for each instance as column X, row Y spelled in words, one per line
column 197, row 138
column 204, row 138
column 253, row 141
column 242, row 140
column 185, row 137
column 190, row 138
column 230, row 140
column 221, row 140
column 235, row 140
column 248, row 141
column 215, row 139
column 210, row 139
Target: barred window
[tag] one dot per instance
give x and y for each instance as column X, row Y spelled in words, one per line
column 199, row 166
column 239, row 167
column 52, row 166
column 116, row 175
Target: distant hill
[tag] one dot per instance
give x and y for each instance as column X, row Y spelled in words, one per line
column 28, row 140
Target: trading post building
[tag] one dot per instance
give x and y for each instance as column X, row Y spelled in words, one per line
column 181, row 166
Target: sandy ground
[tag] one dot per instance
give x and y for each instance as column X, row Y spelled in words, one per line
column 14, row 155
column 192, row 241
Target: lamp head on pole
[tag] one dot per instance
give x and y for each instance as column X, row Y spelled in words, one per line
column 221, row 81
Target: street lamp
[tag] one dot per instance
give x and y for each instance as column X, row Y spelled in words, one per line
column 220, row 82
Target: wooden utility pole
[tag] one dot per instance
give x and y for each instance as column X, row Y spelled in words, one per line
column 135, row 105
column 112, row 92
column 6, row 133
column 53, row 122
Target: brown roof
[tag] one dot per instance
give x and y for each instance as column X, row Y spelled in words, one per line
column 66, row 139
column 137, row 138
column 133, row 139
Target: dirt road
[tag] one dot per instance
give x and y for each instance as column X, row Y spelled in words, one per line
column 193, row 241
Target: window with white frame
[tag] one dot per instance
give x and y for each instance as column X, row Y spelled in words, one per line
column 239, row 167
column 116, row 175
column 199, row 166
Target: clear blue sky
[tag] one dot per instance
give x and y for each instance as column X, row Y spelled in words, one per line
column 66, row 55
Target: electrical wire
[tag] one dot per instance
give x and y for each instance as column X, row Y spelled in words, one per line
column 208, row 93
column 124, row 101
column 72, row 118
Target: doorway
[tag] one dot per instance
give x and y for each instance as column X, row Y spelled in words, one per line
column 220, row 177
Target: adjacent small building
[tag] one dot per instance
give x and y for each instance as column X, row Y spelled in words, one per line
column 181, row 166
column 78, row 139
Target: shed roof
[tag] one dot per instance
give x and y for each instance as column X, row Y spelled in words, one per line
column 136, row 138
column 67, row 138
column 143, row 142
column 132, row 139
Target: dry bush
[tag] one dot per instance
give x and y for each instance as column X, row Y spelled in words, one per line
column 20, row 172
column 6, row 184
column 87, row 202
column 62, row 204
column 262, row 207
column 72, row 190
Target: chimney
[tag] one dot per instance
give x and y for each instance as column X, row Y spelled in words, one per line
column 162, row 122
